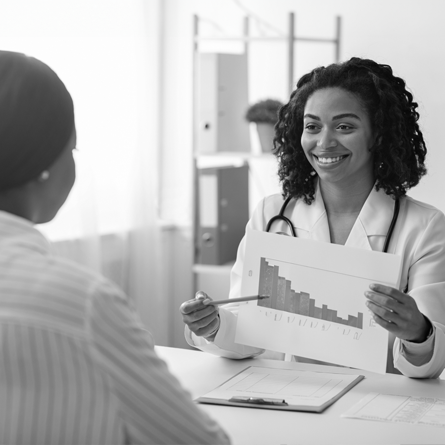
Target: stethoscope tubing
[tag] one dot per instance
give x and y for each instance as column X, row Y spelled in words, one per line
column 281, row 217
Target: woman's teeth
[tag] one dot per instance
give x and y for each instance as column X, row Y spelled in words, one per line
column 329, row 160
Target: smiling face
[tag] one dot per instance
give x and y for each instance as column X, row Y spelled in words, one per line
column 336, row 138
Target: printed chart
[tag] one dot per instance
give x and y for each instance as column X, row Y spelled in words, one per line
column 316, row 306
column 284, row 298
column 285, row 385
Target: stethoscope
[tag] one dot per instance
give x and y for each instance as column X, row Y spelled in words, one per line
column 281, row 217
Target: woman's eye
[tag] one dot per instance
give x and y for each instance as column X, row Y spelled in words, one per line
column 344, row 127
column 310, row 127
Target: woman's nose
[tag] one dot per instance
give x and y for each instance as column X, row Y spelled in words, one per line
column 326, row 140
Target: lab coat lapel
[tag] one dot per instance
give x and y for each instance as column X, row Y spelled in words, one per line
column 358, row 236
column 312, row 219
column 373, row 220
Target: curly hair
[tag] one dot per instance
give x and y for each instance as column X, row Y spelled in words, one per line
column 399, row 150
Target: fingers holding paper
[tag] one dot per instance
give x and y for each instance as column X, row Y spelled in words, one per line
column 397, row 312
column 202, row 320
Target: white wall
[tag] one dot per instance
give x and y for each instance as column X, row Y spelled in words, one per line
column 105, row 54
column 406, row 34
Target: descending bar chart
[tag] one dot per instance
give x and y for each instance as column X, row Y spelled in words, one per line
column 284, row 298
column 316, row 307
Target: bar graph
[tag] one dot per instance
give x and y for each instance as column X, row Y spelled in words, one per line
column 284, row 298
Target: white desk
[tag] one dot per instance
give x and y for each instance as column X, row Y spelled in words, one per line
column 200, row 372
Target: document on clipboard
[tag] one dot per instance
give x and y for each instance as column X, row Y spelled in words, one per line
column 283, row 389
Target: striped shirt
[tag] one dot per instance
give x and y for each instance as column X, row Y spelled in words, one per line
column 76, row 365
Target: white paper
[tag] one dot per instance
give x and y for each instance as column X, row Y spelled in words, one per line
column 399, row 409
column 335, row 278
column 297, row 388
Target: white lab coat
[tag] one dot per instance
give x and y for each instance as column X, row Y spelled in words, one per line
column 419, row 237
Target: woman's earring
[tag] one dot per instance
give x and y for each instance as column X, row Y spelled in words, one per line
column 43, row 176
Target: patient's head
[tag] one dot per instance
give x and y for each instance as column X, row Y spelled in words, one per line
column 37, row 136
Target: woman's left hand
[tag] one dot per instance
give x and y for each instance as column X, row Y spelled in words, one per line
column 397, row 312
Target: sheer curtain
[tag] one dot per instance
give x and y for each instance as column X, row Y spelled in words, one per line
column 107, row 52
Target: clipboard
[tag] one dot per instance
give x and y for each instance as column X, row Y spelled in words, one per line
column 282, row 389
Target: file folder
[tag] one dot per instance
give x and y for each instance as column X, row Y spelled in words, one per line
column 223, row 212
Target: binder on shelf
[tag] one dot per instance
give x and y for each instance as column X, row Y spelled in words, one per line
column 223, row 212
column 222, row 103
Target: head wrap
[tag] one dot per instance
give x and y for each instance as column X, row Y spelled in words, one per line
column 36, row 118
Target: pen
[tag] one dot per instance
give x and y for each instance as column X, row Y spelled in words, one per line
column 258, row 401
column 235, row 300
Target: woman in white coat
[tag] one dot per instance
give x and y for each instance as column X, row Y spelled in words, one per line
column 349, row 147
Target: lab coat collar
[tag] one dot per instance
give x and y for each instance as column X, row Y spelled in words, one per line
column 312, row 218
column 376, row 213
column 374, row 219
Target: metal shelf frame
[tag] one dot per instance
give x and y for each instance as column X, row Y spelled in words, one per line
column 291, row 39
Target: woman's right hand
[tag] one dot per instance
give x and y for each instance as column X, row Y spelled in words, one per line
column 203, row 320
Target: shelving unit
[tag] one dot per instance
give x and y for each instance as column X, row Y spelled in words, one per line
column 205, row 275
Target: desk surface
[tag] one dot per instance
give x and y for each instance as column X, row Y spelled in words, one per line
column 199, row 373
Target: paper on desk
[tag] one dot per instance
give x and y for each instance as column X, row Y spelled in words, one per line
column 301, row 390
column 399, row 409
column 317, row 306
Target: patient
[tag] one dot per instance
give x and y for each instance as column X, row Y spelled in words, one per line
column 76, row 364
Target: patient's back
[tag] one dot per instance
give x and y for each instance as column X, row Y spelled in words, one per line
column 51, row 392
column 52, row 388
